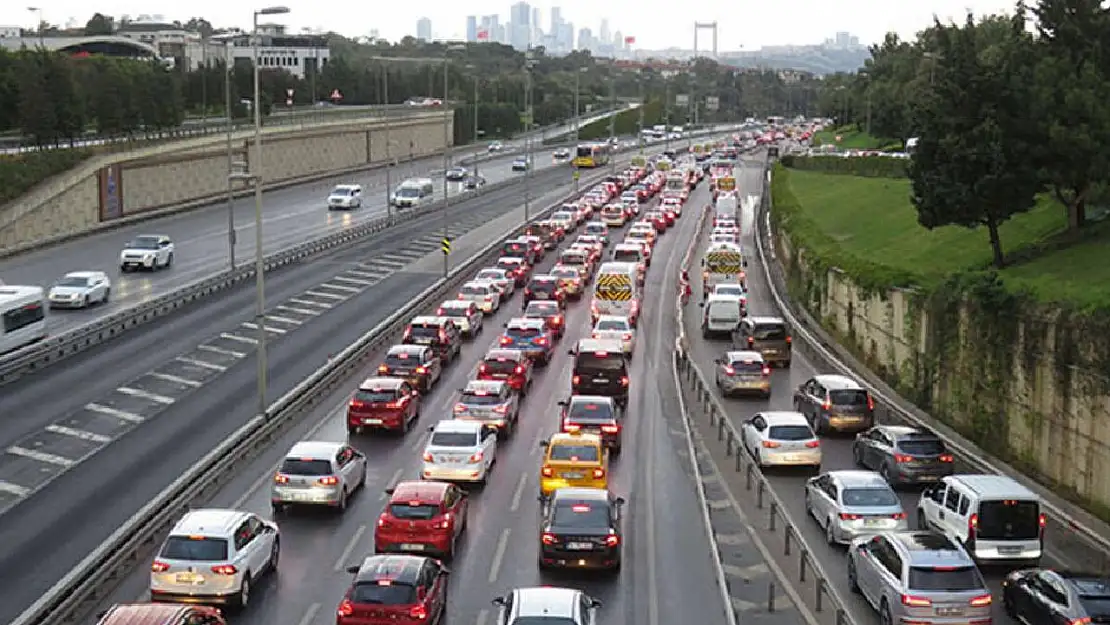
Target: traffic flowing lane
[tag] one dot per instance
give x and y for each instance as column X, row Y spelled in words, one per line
column 667, row 574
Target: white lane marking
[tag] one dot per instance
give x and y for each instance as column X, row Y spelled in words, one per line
column 499, row 554
column 291, row 320
column 200, row 363
column 302, row 311
column 373, row 277
column 14, row 489
column 421, row 442
column 535, row 448
column 519, row 492
column 220, row 350
column 176, row 379
column 254, row 326
column 339, row 287
column 308, row 302
column 76, row 433
column 383, row 262
column 309, row 614
column 40, row 456
column 242, row 339
column 483, row 616
column 392, row 483
column 122, row 415
column 361, row 283
column 138, row 392
column 325, row 295
column 341, row 562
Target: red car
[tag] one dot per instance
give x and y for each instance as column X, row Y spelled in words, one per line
column 390, row 589
column 668, row 215
column 509, row 365
column 424, row 517
column 383, row 404
column 658, row 220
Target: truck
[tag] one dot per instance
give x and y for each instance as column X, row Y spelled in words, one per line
column 723, row 262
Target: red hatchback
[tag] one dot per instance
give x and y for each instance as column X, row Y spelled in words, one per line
column 387, row 590
column 422, row 517
column 658, row 220
column 508, row 365
column 383, row 404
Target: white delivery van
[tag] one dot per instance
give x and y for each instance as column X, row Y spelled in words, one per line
column 727, row 206
column 413, row 192
column 617, row 291
column 720, row 315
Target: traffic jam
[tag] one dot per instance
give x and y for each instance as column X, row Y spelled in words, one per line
column 602, row 246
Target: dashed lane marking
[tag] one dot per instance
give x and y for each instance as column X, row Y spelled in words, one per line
column 331, row 296
column 301, row 311
column 200, row 363
column 410, row 254
column 339, row 287
column 235, row 337
column 220, row 350
column 122, row 415
column 291, row 320
column 176, row 379
column 377, row 264
column 14, row 489
column 361, row 283
column 40, row 456
column 254, row 326
column 81, row 434
column 308, row 302
column 365, row 274
column 138, row 392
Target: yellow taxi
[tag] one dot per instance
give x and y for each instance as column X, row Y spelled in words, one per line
column 573, row 460
column 570, row 279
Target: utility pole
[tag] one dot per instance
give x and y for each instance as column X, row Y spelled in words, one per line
column 640, row 82
column 476, row 120
column 388, row 158
column 577, row 125
column 447, row 112
column 528, row 136
column 230, row 156
column 667, row 118
column 612, row 122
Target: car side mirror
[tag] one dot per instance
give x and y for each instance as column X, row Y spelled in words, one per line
column 595, row 603
column 562, row 403
column 717, row 361
column 389, row 491
column 431, row 428
column 505, row 325
column 353, row 570
column 498, row 601
column 619, row 501
column 444, row 570
column 415, row 393
column 571, row 352
column 701, row 304
column 544, row 444
column 744, row 264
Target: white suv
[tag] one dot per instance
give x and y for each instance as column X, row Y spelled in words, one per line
column 566, row 606
column 460, row 451
column 147, row 251
column 214, row 556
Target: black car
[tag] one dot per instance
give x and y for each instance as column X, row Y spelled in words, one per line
column 474, row 182
column 543, row 288
column 581, row 529
column 457, row 174
column 1044, row 596
column 903, row 454
column 549, row 311
column 520, row 249
column 593, row 414
column 835, row 403
column 600, row 368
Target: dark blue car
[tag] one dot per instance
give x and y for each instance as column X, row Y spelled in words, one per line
column 532, row 336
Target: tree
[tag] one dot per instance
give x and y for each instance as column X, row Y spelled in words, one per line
column 1073, row 98
column 972, row 166
column 100, row 24
column 37, row 118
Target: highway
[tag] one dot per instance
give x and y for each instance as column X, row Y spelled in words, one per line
column 836, row 451
column 667, row 575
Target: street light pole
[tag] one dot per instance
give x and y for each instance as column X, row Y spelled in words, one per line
column 476, row 159
column 230, row 156
column 388, row 158
column 667, row 118
column 612, row 122
column 38, row 27
column 577, row 125
column 446, row 160
column 528, row 136
column 640, row 82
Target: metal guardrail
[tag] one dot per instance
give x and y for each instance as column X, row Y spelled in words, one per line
column 98, row 573
column 55, row 349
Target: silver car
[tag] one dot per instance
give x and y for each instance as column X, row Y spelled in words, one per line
column 918, row 577
column 80, row 289
column 850, row 504
column 781, row 439
column 492, row 402
column 740, row 372
column 466, row 315
column 317, row 473
column 506, row 284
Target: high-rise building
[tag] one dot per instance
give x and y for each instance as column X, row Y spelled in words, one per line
column 537, row 33
column 603, row 35
column 472, row 28
column 520, row 16
column 424, row 29
column 566, row 37
column 586, row 40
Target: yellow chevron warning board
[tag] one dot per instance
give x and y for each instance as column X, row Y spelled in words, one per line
column 446, row 247
column 614, row 287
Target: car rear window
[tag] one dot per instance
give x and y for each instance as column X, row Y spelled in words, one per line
column 612, row 324
column 1009, row 520
column 491, row 275
column 195, row 548
column 421, row 331
column 543, row 285
column 626, row 255
column 848, row 397
column 376, row 396
column 379, row 593
column 454, row 439
column 580, row 453
column 410, row 512
column 541, row 309
column 523, row 333
column 402, row 360
column 868, row 497
column 592, row 362
column 590, row 412
column 922, row 447
column 301, row 466
column 474, row 290
column 498, row 365
column 945, row 578
column 484, row 399
column 579, row 515
column 770, row 332
column 748, row 366
column 789, row 433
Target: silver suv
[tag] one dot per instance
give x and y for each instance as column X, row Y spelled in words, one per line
column 919, row 577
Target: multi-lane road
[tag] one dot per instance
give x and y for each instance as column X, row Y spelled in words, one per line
column 667, row 575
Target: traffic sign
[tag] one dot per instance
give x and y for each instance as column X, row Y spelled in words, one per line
column 446, row 245
column 576, row 174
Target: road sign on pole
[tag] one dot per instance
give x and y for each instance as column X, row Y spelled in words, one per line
column 682, row 99
column 446, row 246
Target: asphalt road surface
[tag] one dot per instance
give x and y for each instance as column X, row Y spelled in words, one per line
column 836, row 451
column 667, row 575
column 170, row 391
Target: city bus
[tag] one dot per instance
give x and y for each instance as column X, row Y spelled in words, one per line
column 592, row 155
column 23, row 316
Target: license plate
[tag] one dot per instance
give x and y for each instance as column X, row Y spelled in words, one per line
column 949, row 612
column 790, row 458
column 928, row 478
column 572, row 476
column 412, row 547
column 501, row 375
column 601, row 380
column 872, row 522
column 188, row 578
column 770, row 351
column 1009, row 551
column 580, row 546
column 371, row 421
column 541, row 295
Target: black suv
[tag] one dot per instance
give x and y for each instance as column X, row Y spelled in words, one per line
column 600, row 368
column 903, row 455
column 835, row 403
column 582, row 528
column 520, row 249
column 439, row 333
column 543, row 288
column 593, row 414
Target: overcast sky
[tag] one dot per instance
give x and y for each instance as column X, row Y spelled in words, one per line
column 742, row 25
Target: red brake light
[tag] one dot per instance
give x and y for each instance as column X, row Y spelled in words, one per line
column 947, row 458
column 870, row 402
column 383, row 369
column 541, row 341
column 730, row 370
column 383, row 519
column 421, row 370
column 506, row 340
column 547, row 472
column 898, row 516
column 1041, row 520
column 612, row 540
column 628, row 337
column 580, row 508
column 571, row 427
column 751, row 340
column 519, row 370
column 788, row 339
column 330, row 480
column 418, row 612
column 766, row 370
column 611, row 429
column 557, row 320
column 575, row 379
column 916, row 602
column 972, row 525
column 770, row 444
column 225, row 569
column 599, row 473
column 548, row 538
column 981, row 600
column 356, row 404
column 428, row 457
column 902, row 458
column 624, row 380
column 483, row 368
column 826, row 405
column 346, row 608
column 814, row 444
column 159, row 567
column 844, row 516
column 476, row 458
column 281, row 479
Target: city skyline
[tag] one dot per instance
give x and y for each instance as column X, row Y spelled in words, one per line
column 809, row 22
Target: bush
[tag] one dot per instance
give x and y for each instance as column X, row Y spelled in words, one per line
column 627, row 122
column 866, row 166
column 19, row 173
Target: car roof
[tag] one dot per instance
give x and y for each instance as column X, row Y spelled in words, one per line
column 546, row 601
column 930, row 549
column 634, row 246
column 347, row 186
column 316, row 450
column 407, row 349
column 152, row 236
column 457, row 303
column 722, row 297
column 149, row 614
column 766, row 320
column 510, row 259
column 994, row 486
column 490, row 386
column 84, row 274
column 544, row 278
column 600, row 345
column 419, row 490
column 461, row 426
column 399, row 568
column 784, row 417
column 432, row 320
column 488, row 284
column 209, row 522
column 574, row 438
column 529, row 323
column 905, row 431
column 508, row 354
column 380, row 383
column 582, row 494
column 858, row 478
column 744, row 355
column 727, row 284
column 837, row 382
column 590, row 399
column 612, row 318
column 544, row 303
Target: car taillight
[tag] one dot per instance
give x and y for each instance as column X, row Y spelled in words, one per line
column 575, row 379
column 383, row 369
column 428, row 457
column 1085, row 620
column 397, row 403
column 383, row 520
column 870, row 402
column 612, row 540
column 844, row 516
column 980, row 601
column 915, row 601
column 557, row 320
column 628, row 337
column 901, row 458
column 825, row 405
column 502, row 409
column 766, row 371
column 421, row 370
column 505, row 340
column 730, row 370
column 475, row 458
column 540, row 341
column 225, row 569
column 599, row 473
column 898, row 516
column 549, row 539
column 788, row 339
column 771, row 444
column 1041, row 523
column 329, row 480
column 624, row 380
column 346, row 608
column 159, row 567
column 947, row 458
column 751, row 340
column 611, row 429
column 407, row 335
column 814, row 444
column 547, row 472
column 460, row 408
column 418, row 613
column 972, row 526
column 519, row 370
column 527, row 292
column 442, row 335
column 281, row 479
column 488, row 298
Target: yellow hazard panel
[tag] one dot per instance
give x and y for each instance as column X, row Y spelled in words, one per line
column 614, row 287
column 727, row 184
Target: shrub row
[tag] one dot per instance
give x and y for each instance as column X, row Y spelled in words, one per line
column 19, row 173
column 865, row 166
column 626, row 123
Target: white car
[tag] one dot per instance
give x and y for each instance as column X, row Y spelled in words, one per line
column 483, row 293
column 564, row 606
column 616, row 328
column 781, row 438
column 147, row 251
column 317, row 473
column 722, row 237
column 565, row 220
column 345, row 196
column 460, row 451
column 80, row 289
column 506, row 284
column 466, row 315
column 214, row 556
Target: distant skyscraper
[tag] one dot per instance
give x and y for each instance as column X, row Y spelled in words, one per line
column 472, row 28
column 520, row 15
column 603, row 35
column 566, row 37
column 586, row 40
column 424, row 29
column 537, row 33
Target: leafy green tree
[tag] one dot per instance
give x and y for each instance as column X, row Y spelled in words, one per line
column 64, row 94
column 37, row 117
column 972, row 167
column 100, row 24
column 9, row 90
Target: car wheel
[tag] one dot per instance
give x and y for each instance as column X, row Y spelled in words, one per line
column 857, row 456
column 853, row 581
column 830, row 532
column 169, row 260
column 85, row 302
column 275, row 556
column 922, row 525
column 616, row 451
column 243, row 599
column 107, row 296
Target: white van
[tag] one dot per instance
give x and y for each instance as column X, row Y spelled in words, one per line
column 996, row 518
column 413, row 192
column 720, row 315
column 617, row 291
column 727, row 206
column 632, row 253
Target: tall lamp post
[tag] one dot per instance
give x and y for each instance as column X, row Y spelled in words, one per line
column 38, row 25
column 228, row 63
column 448, row 113
column 612, row 121
column 476, row 131
column 577, row 123
column 529, row 62
column 388, row 157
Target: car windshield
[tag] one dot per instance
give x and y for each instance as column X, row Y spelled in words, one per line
column 947, row 578
column 789, row 433
column 383, row 592
column 195, row 548
column 590, row 412
column 612, row 325
column 626, row 255
column 70, row 281
column 380, row 396
column 597, row 229
column 454, row 439
column 544, row 620
column 748, row 366
column 541, row 309
column 523, row 333
column 921, row 447
column 409, row 192
column 414, row 512
column 340, row 191
column 736, row 290
column 576, row 453
column 480, row 398
column 305, row 466
column 868, row 497
column 580, row 515
column 402, row 360
column 143, row 243
column 474, row 289
column 850, row 397
column 769, row 332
